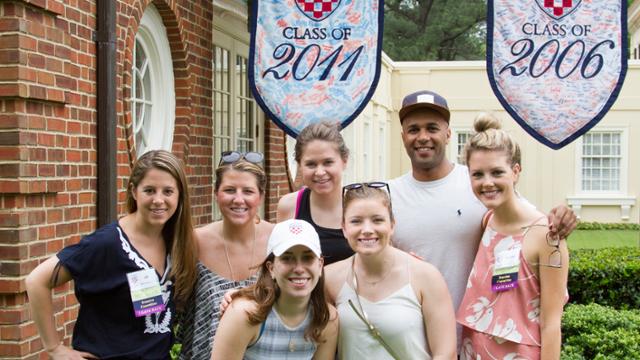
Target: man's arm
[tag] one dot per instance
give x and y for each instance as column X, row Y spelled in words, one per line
column 562, row 221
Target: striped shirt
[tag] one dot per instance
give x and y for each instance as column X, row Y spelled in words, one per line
column 202, row 315
column 278, row 341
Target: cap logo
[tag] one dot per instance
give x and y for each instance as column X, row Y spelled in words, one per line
column 425, row 98
column 295, row 229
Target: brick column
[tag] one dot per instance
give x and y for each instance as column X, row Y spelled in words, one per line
column 47, row 152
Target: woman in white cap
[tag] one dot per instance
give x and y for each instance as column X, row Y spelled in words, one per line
column 284, row 315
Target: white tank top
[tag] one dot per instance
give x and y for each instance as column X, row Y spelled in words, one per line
column 398, row 317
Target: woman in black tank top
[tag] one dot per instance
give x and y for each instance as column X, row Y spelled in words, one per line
column 334, row 244
column 322, row 156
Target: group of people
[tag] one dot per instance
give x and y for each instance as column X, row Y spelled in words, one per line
column 374, row 269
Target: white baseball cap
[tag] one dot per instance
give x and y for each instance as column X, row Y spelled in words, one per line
column 290, row 233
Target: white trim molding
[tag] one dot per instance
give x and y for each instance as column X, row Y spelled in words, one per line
column 624, row 202
column 159, row 123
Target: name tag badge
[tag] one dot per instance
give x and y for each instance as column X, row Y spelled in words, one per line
column 146, row 293
column 505, row 270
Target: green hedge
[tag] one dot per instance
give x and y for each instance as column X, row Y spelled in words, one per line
column 600, row 332
column 608, row 276
column 607, row 226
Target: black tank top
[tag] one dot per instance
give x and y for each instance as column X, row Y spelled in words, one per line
column 332, row 241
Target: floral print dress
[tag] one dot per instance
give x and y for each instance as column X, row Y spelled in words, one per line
column 500, row 324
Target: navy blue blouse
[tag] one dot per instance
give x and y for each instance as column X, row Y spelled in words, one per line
column 106, row 324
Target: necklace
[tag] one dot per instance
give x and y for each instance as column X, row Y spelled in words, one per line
column 292, row 344
column 373, row 283
column 292, row 340
column 226, row 252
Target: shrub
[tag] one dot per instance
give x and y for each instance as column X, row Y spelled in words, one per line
column 607, row 226
column 175, row 351
column 608, row 276
column 599, row 332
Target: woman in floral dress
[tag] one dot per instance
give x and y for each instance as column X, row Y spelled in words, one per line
column 516, row 291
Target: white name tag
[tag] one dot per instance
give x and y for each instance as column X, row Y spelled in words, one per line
column 146, row 293
column 507, row 258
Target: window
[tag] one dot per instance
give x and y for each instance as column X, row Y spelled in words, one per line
column 236, row 125
column 601, row 162
column 234, row 109
column 152, row 88
column 459, row 139
column 601, row 172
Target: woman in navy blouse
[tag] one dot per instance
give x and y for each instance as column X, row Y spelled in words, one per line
column 130, row 275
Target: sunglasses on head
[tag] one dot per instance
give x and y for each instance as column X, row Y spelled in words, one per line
column 373, row 185
column 229, row 157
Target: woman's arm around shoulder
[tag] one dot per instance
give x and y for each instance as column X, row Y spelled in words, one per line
column 334, row 278
column 39, row 284
column 235, row 333
column 553, row 290
column 437, row 309
column 287, row 207
column 329, row 338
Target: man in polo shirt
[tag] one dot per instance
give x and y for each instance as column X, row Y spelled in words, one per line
column 437, row 215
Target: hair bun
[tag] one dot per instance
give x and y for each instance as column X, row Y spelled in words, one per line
column 485, row 121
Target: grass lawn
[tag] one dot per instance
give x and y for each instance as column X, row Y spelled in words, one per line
column 595, row 239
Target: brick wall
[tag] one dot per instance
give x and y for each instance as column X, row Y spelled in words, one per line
column 278, row 183
column 47, row 152
column 48, row 137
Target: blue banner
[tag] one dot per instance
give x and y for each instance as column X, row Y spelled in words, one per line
column 314, row 60
column 557, row 66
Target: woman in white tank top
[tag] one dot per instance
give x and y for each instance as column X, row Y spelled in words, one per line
column 390, row 304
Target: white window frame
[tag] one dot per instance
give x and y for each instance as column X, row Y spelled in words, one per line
column 453, row 143
column 152, row 37
column 235, row 47
column 624, row 163
column 604, row 198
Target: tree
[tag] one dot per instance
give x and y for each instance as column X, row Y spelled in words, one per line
column 419, row 30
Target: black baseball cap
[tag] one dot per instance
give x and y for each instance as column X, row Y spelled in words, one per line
column 424, row 99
